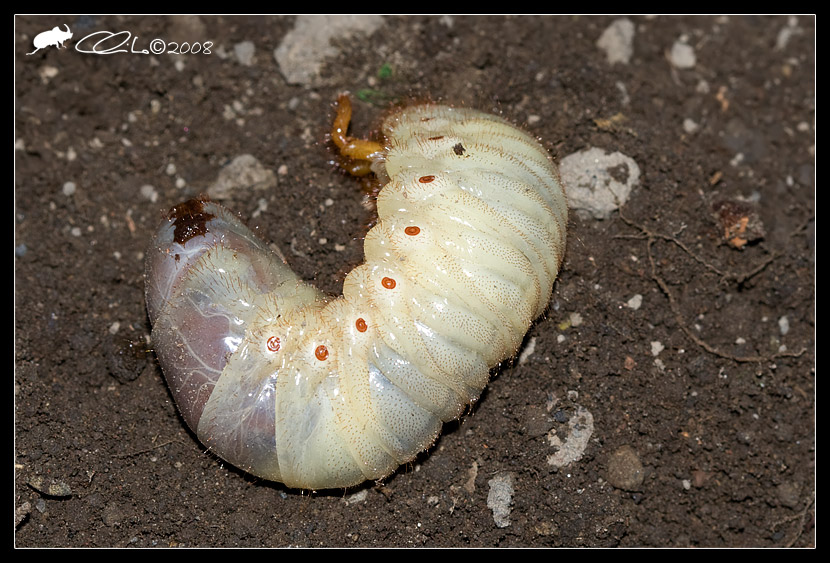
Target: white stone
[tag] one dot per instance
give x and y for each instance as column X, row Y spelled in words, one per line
column 598, row 182
column 244, row 52
column 572, row 447
column 656, row 348
column 682, row 55
column 302, row 51
column 635, row 302
column 500, row 498
column 618, row 41
column 244, row 172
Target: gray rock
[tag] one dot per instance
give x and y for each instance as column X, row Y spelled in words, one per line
column 302, row 51
column 682, row 55
column 500, row 498
column 244, row 172
column 598, row 182
column 618, row 41
column 244, row 52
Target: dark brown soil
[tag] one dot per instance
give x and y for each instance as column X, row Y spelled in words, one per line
column 722, row 419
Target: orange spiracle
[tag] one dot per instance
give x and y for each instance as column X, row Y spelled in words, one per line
column 321, row 353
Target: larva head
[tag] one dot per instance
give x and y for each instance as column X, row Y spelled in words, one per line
column 171, row 250
column 190, row 219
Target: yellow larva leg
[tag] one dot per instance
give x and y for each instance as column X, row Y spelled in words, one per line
column 358, row 153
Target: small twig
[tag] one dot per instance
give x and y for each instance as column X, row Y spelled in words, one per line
column 650, row 237
column 801, row 516
column 739, row 278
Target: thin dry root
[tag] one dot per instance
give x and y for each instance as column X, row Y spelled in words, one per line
column 357, row 154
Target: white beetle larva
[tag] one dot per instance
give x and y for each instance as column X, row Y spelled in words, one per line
column 321, row 393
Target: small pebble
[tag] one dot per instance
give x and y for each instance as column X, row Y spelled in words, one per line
column 528, row 351
column 618, row 41
column 244, row 172
column 572, row 447
column 656, row 348
column 788, row 494
column 625, row 470
column 689, row 126
column 46, row 72
column 21, row 512
column 682, row 55
column 51, row 487
column 148, row 192
column 244, row 52
column 113, row 514
column 500, row 498
column 357, row 497
column 635, row 302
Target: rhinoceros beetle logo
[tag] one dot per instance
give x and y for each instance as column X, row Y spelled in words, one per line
column 55, row 36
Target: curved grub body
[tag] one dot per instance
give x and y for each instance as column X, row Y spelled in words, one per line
column 322, row 393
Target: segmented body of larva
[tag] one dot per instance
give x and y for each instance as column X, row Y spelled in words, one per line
column 321, row 393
